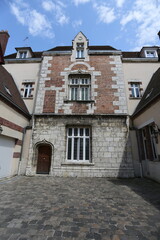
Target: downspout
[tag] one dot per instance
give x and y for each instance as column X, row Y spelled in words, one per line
column 23, row 136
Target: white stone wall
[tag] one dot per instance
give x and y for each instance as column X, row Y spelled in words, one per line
column 110, row 143
column 119, row 84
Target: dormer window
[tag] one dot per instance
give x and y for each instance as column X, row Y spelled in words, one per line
column 23, row 54
column 151, row 53
column 80, row 50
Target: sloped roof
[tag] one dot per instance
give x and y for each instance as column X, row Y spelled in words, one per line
column 13, row 55
column 151, row 93
column 10, row 93
column 130, row 54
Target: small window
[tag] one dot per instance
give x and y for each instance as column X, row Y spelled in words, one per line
column 80, row 50
column 23, row 54
column 78, row 143
column 79, row 87
column 151, row 53
column 27, row 90
column 135, row 90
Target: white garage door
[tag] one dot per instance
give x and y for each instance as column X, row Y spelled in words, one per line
column 6, row 155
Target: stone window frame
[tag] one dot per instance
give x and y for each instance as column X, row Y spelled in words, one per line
column 135, row 89
column 27, row 90
column 72, row 137
column 80, row 50
column 81, row 84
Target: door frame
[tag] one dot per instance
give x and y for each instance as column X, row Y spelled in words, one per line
column 35, row 156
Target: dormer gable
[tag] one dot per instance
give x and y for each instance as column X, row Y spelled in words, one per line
column 149, row 52
column 80, row 48
column 24, row 52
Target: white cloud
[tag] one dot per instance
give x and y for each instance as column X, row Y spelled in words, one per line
column 77, row 23
column 105, row 13
column 146, row 16
column 57, row 8
column 36, row 22
column 77, row 2
column 120, row 3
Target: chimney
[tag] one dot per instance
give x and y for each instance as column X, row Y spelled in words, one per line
column 3, row 43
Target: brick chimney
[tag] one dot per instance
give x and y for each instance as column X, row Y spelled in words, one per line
column 3, row 43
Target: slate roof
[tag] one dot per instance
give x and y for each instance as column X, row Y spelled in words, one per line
column 13, row 55
column 151, row 93
column 63, row 48
column 9, row 92
column 131, row 54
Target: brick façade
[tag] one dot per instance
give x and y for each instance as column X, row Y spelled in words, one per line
column 107, row 86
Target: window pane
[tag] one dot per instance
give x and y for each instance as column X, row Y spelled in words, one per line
column 70, row 132
column 87, row 149
column 69, row 148
column 87, row 131
column 75, row 131
column 81, row 149
column 81, row 131
column 75, row 148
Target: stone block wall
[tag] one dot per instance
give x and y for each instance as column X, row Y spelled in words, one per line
column 110, row 146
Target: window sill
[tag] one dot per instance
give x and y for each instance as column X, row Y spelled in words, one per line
column 70, row 163
column 79, row 101
column 135, row 98
column 80, row 58
column 27, row 98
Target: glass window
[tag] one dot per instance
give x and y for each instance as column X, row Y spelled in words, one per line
column 79, row 88
column 27, row 90
column 80, row 50
column 135, row 90
column 78, row 144
column 22, row 54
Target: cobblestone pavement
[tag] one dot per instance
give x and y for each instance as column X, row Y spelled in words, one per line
column 46, row 208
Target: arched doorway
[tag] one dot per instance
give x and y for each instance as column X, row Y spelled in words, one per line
column 44, row 159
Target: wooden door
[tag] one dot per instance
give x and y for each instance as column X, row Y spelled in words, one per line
column 44, row 159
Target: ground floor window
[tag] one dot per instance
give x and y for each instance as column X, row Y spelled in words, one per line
column 78, row 143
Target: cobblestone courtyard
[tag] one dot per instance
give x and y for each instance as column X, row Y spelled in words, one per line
column 46, row 208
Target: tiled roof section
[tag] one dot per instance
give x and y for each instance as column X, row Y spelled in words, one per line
column 61, row 48
column 10, row 93
column 69, row 48
column 13, row 56
column 151, row 93
column 101, row 48
column 131, row 54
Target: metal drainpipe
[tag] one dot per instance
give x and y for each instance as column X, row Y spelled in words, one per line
column 24, row 131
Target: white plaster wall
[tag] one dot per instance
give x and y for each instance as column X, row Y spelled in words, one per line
column 25, row 71
column 141, row 72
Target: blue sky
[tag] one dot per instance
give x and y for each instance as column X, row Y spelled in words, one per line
column 123, row 24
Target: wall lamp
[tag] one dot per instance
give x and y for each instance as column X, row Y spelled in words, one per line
column 1, row 129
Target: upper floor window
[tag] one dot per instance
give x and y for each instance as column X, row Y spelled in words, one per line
column 135, row 90
column 151, row 53
column 80, row 50
column 27, row 92
column 79, row 87
column 23, row 54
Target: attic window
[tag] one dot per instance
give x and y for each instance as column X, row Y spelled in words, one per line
column 22, row 54
column 150, row 53
column 7, row 90
column 80, row 50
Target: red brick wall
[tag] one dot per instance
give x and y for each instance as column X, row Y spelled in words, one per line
column 49, row 101
column 105, row 93
column 10, row 124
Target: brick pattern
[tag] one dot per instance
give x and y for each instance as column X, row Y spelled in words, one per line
column 107, row 86
column 16, row 155
column 11, row 125
column 18, row 142
column 49, row 101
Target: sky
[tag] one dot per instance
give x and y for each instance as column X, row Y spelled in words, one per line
column 126, row 25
